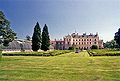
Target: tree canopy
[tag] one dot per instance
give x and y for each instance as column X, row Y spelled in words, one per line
column 111, row 44
column 6, row 33
column 36, row 38
column 117, row 37
column 45, row 39
column 94, row 47
column 28, row 38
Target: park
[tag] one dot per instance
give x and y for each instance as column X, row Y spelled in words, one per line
column 76, row 57
column 70, row 66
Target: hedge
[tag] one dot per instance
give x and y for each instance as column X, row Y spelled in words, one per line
column 48, row 53
column 104, row 52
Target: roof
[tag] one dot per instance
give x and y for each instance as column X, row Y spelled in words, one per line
column 76, row 35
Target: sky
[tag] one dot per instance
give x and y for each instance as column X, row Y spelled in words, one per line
column 63, row 17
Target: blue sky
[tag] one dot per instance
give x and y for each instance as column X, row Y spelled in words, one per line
column 63, row 16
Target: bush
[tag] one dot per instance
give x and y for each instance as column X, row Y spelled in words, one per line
column 71, row 48
column 94, row 47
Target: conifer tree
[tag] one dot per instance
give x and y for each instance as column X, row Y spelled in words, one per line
column 45, row 39
column 36, row 38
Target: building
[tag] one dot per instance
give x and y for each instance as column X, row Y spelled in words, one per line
column 58, row 44
column 75, row 40
column 19, row 45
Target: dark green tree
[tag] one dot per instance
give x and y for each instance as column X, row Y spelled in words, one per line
column 117, row 37
column 6, row 33
column 36, row 38
column 94, row 47
column 110, row 44
column 71, row 48
column 28, row 38
column 45, row 39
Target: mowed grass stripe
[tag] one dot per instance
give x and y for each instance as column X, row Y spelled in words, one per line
column 73, row 54
column 67, row 67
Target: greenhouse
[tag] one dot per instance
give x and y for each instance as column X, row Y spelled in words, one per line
column 19, row 45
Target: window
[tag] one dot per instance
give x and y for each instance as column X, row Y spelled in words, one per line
column 68, row 42
column 76, row 39
column 95, row 39
column 87, row 39
column 79, row 43
column 87, row 42
column 73, row 43
column 73, row 40
column 76, row 43
column 90, row 39
column 90, row 42
column 84, row 39
column 95, row 43
column 79, row 39
column 82, row 42
column 87, row 48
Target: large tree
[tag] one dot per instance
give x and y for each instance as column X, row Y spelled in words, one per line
column 36, row 38
column 45, row 39
column 110, row 44
column 117, row 37
column 6, row 33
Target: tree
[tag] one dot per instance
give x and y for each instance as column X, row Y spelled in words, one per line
column 28, row 38
column 45, row 39
column 36, row 38
column 94, row 47
column 6, row 33
column 111, row 44
column 71, row 48
column 117, row 37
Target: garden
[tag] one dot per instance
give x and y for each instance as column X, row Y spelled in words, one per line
column 65, row 67
column 104, row 52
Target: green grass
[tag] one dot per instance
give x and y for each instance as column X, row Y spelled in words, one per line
column 67, row 67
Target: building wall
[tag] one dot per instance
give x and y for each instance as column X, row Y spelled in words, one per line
column 79, row 41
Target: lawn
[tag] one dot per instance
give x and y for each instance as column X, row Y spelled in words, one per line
column 65, row 67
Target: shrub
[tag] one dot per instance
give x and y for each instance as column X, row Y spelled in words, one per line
column 71, row 48
column 94, row 47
